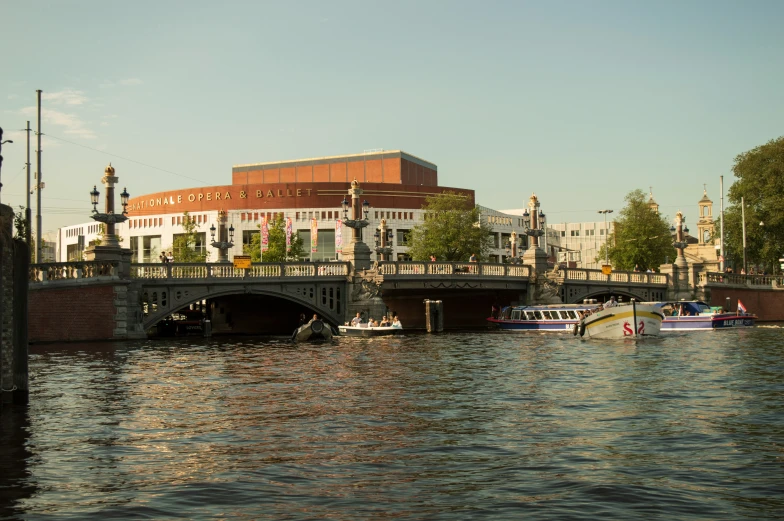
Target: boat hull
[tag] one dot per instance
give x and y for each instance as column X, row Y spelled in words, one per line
column 555, row 326
column 369, row 331
column 707, row 323
column 315, row 331
column 618, row 322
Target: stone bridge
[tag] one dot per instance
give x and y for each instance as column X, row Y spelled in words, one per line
column 116, row 299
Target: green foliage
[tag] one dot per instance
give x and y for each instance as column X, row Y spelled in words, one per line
column 277, row 244
column 20, row 224
column 760, row 182
column 451, row 230
column 641, row 237
column 184, row 244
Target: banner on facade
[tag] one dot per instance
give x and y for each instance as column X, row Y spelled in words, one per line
column 338, row 236
column 288, row 234
column 314, row 235
column 264, row 234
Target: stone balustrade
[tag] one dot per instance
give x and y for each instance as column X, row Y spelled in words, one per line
column 755, row 281
column 454, row 268
column 73, row 271
column 616, row 277
column 228, row 271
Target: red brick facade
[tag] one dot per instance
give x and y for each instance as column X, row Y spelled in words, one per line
column 71, row 314
column 768, row 305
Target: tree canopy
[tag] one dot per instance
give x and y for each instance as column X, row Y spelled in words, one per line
column 276, row 251
column 185, row 244
column 760, row 182
column 451, row 230
column 641, row 237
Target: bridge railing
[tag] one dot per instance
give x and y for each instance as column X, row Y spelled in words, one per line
column 453, row 268
column 81, row 270
column 617, row 277
column 228, row 271
column 757, row 281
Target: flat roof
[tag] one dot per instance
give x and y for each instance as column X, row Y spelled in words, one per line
column 371, row 154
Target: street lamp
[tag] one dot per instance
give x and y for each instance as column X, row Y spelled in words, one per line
column 356, row 222
column 533, row 221
column 109, row 218
column 223, row 243
column 678, row 232
column 606, row 235
column 383, row 237
column 511, row 248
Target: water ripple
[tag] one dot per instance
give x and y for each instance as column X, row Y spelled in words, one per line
column 453, row 426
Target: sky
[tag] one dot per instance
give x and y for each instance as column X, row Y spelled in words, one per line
column 579, row 102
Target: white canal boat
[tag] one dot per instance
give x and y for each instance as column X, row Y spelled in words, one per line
column 628, row 320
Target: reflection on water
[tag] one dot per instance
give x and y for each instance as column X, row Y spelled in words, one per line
column 454, row 426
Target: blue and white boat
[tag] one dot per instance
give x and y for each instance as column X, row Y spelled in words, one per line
column 695, row 315
column 552, row 317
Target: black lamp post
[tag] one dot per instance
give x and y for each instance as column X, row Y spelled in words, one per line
column 356, row 222
column 109, row 218
column 383, row 237
column 533, row 221
column 224, row 242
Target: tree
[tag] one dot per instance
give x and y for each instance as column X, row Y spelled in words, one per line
column 20, row 224
column 276, row 251
column 760, row 182
column 188, row 246
column 451, row 230
column 641, row 237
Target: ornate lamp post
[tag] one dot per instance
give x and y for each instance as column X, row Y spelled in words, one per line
column 533, row 223
column 383, row 237
column 356, row 252
column 224, row 242
column 511, row 247
column 679, row 239
column 109, row 218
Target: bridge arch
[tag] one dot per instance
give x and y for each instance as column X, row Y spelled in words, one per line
column 158, row 302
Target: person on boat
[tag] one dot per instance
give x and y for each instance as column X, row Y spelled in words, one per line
column 396, row 323
column 315, row 317
column 302, row 319
column 357, row 320
column 611, row 303
column 384, row 322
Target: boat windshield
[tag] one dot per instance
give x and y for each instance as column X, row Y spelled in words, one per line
column 529, row 315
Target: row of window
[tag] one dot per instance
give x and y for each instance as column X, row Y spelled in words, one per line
column 576, row 233
column 517, row 314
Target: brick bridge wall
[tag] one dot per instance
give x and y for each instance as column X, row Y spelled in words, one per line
column 767, row 304
column 71, row 314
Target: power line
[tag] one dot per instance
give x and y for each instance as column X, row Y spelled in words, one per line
column 126, row 159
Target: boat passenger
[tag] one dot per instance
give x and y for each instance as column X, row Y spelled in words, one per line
column 611, row 303
column 357, row 320
column 315, row 317
column 384, row 322
column 396, row 323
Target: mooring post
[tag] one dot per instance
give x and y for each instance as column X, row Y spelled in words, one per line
column 434, row 316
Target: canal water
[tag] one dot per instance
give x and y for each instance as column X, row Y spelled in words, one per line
column 472, row 425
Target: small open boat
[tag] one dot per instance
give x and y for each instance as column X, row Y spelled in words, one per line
column 313, row 331
column 695, row 315
column 369, row 331
column 630, row 320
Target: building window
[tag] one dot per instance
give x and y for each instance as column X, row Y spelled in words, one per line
column 200, row 246
column 402, row 237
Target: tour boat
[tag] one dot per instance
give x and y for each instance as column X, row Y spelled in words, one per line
column 559, row 318
column 627, row 320
column 695, row 315
column 313, row 331
column 369, row 331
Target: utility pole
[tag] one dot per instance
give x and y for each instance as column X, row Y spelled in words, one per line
column 721, row 224
column 38, row 186
column 28, row 213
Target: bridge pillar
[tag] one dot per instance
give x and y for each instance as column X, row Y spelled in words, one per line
column 14, row 262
